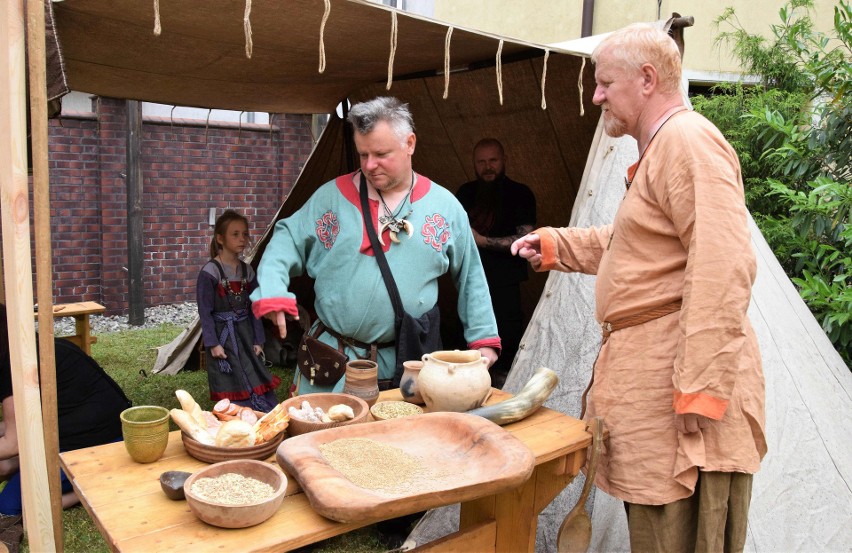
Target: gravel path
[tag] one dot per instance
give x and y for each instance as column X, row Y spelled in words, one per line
column 180, row 314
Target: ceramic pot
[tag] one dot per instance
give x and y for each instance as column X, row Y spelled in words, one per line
column 408, row 382
column 454, row 380
column 145, row 430
column 362, row 380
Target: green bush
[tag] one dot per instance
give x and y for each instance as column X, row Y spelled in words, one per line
column 794, row 138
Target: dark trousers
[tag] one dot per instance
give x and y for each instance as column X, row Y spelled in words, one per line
column 506, row 301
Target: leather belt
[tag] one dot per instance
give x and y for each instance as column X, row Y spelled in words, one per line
column 608, row 327
column 351, row 342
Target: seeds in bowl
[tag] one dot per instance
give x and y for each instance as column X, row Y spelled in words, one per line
column 394, row 409
column 232, row 489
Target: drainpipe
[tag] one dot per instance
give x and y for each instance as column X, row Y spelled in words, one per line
column 588, row 18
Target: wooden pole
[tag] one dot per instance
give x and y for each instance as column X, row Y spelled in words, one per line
column 14, row 213
column 44, row 263
column 136, row 290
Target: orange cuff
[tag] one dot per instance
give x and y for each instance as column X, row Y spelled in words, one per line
column 548, row 249
column 700, row 404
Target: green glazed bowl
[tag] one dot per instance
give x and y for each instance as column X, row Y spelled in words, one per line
column 146, row 432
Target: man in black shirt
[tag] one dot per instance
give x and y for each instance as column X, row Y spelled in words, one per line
column 89, row 403
column 500, row 211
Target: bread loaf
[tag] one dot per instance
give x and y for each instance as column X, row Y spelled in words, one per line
column 188, row 404
column 191, row 427
column 235, row 433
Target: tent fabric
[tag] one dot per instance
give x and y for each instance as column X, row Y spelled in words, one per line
column 199, row 58
column 802, row 499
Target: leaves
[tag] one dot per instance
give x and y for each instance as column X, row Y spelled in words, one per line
column 794, row 137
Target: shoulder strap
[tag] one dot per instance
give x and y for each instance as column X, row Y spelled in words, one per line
column 393, row 291
column 221, row 270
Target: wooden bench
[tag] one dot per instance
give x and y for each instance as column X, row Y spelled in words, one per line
column 80, row 311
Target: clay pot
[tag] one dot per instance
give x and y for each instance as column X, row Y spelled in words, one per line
column 454, row 380
column 145, row 430
column 408, row 383
column 362, row 380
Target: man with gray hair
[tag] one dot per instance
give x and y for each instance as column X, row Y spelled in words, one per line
column 421, row 228
column 678, row 378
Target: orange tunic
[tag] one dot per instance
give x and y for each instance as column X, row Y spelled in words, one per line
column 681, row 232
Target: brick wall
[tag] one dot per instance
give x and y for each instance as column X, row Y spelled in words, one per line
column 187, row 168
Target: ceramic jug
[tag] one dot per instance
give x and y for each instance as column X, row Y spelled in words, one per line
column 408, row 382
column 454, row 380
column 362, row 380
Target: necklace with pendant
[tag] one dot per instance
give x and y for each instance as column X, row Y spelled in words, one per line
column 392, row 221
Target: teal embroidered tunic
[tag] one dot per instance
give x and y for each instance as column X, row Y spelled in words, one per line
column 326, row 239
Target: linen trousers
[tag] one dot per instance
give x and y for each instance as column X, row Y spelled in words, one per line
column 713, row 519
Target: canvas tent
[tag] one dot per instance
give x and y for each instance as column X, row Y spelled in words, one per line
column 802, row 496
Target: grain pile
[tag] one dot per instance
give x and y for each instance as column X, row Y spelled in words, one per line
column 232, row 489
column 373, row 465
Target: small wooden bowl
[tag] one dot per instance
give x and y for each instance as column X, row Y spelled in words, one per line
column 324, row 401
column 214, row 454
column 379, row 410
column 237, row 516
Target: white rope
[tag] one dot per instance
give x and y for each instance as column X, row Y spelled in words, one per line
column 157, row 28
column 544, row 79
column 247, row 28
column 447, row 62
column 322, row 36
column 580, row 86
column 499, row 64
column 392, row 49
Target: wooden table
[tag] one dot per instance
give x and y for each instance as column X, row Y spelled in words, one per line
column 130, row 510
column 80, row 311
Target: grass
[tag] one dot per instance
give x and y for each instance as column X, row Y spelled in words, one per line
column 128, row 357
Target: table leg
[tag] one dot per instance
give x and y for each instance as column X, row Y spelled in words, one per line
column 516, row 511
column 81, row 324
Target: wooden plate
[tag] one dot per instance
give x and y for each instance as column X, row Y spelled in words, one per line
column 214, row 454
column 470, row 456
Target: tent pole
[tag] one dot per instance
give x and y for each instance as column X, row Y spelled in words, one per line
column 14, row 208
column 135, row 228
column 44, row 263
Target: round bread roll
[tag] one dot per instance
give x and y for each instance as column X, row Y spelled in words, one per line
column 235, row 433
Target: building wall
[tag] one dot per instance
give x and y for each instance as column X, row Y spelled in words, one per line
column 546, row 22
column 187, row 169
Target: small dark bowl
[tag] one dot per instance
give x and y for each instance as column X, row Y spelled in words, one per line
column 172, row 483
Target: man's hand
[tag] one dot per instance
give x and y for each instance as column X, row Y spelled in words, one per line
column 528, row 247
column 218, row 352
column 690, row 422
column 279, row 319
column 490, row 354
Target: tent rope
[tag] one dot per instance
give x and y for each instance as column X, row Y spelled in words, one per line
column 157, row 28
column 172, row 117
column 247, row 28
column 207, row 125
column 322, row 36
column 447, row 62
column 394, row 24
column 544, row 78
column 499, row 65
column 580, row 86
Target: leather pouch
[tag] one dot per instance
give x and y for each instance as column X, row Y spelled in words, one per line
column 320, row 363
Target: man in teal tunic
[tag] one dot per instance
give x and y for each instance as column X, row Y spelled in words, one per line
column 327, row 240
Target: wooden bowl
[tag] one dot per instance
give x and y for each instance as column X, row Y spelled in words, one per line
column 214, row 454
column 381, row 410
column 324, row 401
column 244, row 515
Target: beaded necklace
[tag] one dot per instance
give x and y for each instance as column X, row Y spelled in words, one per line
column 226, row 284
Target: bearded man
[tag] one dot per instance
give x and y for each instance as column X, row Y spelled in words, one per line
column 501, row 211
column 678, row 378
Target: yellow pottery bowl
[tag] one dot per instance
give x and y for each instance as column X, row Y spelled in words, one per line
column 146, row 432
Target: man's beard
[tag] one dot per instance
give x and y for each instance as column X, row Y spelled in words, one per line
column 613, row 126
column 498, row 177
